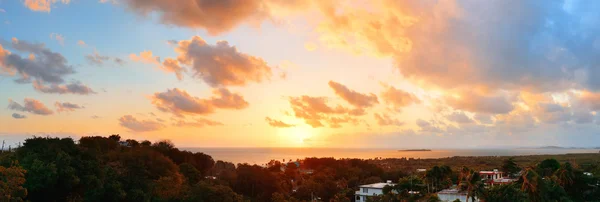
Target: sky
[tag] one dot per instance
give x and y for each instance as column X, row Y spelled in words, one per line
column 311, row 73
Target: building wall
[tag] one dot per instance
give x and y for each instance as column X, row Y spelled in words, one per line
column 369, row 192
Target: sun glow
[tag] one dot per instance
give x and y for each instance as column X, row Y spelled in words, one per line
column 297, row 136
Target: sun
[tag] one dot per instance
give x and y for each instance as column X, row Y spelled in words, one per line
column 297, row 136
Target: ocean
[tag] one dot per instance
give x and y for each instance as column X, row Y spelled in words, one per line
column 261, row 156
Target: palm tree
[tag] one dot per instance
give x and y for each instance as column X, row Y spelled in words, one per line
column 564, row 175
column 530, row 181
column 471, row 181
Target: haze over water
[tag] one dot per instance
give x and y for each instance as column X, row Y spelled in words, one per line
column 264, row 155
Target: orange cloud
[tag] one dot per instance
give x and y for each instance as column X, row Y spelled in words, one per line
column 221, row 64
column 309, row 46
column 145, row 57
column 136, row 125
column 30, row 105
column 354, row 98
column 477, row 103
column 180, row 103
column 214, row 16
column 172, row 65
column 385, row 120
column 43, row 5
column 199, row 122
column 314, row 110
column 58, row 37
column 278, row 123
column 81, row 43
column 398, row 98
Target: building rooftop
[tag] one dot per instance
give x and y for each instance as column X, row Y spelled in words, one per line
column 379, row 185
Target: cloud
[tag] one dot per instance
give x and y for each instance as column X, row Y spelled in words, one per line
column 459, row 117
column 30, row 105
column 356, row 99
column 427, row 126
column 2, row 11
column 398, row 98
column 96, row 59
column 441, row 43
column 58, row 37
column 66, row 107
column 221, row 64
column 18, row 116
column 477, row 103
column 145, row 57
column 42, row 66
column 71, row 88
column 81, row 43
column 99, row 60
column 199, row 122
column 315, row 111
column 214, row 16
column 309, row 46
column 47, row 66
column 172, row 65
column 169, row 65
column 133, row 124
column 590, row 100
column 227, row 100
column 180, row 103
column 277, row 123
column 43, row 5
column 385, row 120
column 483, row 118
column 95, row 117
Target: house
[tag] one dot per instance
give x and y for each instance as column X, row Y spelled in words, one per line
column 495, row 177
column 491, row 175
column 449, row 195
column 370, row 190
column 124, row 143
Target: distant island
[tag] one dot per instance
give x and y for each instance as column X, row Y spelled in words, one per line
column 558, row 147
column 415, row 150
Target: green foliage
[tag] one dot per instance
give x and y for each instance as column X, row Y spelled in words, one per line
column 503, row 193
column 547, row 167
column 101, row 169
column 510, row 167
column 11, row 184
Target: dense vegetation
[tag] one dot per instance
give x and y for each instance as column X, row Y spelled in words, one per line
column 102, row 169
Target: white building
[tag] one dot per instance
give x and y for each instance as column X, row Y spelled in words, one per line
column 449, row 195
column 370, row 190
column 491, row 175
column 495, row 177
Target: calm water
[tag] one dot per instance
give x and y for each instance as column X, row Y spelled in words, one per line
column 264, row 155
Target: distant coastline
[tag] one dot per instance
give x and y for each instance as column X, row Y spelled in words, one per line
column 558, row 147
column 424, row 150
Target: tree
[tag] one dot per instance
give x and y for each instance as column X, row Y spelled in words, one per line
column 204, row 191
column 530, row 182
column 11, row 184
column 502, row 193
column 433, row 198
column 191, row 174
column 472, row 183
column 547, row 167
column 510, row 167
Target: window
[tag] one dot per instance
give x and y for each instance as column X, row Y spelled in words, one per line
column 365, row 190
column 358, row 198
